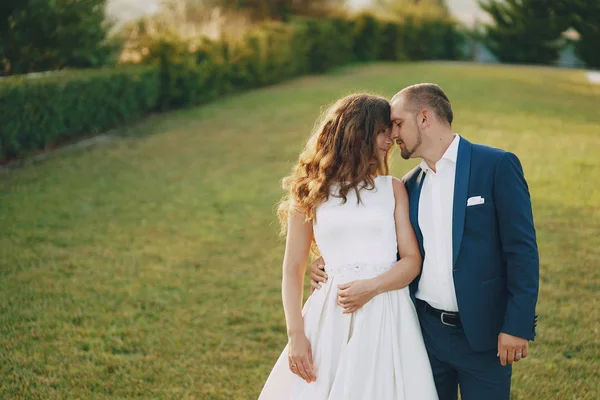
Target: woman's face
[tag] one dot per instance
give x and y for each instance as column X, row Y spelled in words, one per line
column 383, row 142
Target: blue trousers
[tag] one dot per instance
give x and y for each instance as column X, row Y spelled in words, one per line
column 479, row 375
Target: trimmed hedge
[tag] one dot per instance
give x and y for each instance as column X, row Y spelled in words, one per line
column 193, row 73
column 368, row 37
column 328, row 48
column 38, row 112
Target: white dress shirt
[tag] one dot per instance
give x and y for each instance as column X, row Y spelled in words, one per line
column 436, row 286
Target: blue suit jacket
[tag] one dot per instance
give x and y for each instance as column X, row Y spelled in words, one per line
column 496, row 262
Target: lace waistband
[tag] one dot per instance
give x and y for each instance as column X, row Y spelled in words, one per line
column 354, row 271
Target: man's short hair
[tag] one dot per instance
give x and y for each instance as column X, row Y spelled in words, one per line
column 429, row 95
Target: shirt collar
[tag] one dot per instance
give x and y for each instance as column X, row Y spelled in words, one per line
column 451, row 154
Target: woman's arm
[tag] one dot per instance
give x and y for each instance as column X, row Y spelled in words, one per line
column 353, row 295
column 409, row 266
column 297, row 247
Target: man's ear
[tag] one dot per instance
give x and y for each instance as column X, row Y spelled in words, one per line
column 425, row 117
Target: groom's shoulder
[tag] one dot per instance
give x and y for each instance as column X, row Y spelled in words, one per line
column 487, row 154
column 412, row 174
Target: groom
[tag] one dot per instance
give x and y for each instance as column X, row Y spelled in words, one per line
column 471, row 212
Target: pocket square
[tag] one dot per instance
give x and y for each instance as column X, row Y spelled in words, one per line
column 475, row 201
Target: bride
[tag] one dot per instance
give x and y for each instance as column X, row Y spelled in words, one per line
column 358, row 337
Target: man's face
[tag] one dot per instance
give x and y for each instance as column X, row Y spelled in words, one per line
column 405, row 129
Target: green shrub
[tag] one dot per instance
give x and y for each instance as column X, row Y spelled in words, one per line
column 239, row 58
column 344, row 37
column 190, row 73
column 427, row 38
column 247, row 61
column 368, row 37
column 320, row 38
column 195, row 72
column 392, row 45
column 413, row 39
column 429, row 34
column 454, row 42
column 218, row 53
column 255, row 57
column 286, row 51
column 38, row 111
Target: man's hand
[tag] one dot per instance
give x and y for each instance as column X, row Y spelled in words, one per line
column 353, row 295
column 317, row 274
column 511, row 348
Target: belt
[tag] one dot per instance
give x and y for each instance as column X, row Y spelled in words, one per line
column 357, row 270
column 446, row 317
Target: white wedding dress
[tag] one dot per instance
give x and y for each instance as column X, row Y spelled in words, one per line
column 376, row 353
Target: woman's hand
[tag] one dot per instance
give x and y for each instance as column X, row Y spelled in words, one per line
column 353, row 295
column 300, row 357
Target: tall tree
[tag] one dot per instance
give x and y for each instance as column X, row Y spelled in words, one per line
column 525, row 31
column 586, row 20
column 41, row 35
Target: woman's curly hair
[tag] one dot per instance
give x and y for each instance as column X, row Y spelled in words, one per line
column 341, row 152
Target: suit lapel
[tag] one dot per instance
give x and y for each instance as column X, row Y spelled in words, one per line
column 414, row 207
column 461, row 187
column 414, row 195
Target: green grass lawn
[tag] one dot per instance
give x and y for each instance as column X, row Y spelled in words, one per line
column 150, row 266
